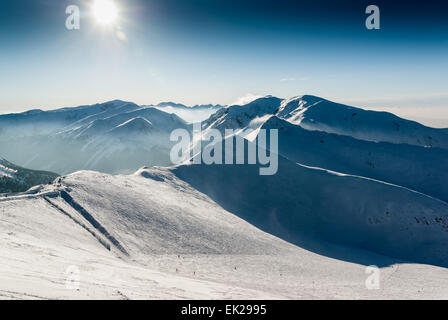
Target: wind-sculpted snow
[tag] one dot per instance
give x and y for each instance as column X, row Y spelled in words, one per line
column 314, row 113
column 301, row 201
column 43, row 250
column 414, row 167
column 146, row 220
column 401, row 157
column 237, row 117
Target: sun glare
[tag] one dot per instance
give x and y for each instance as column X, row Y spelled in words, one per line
column 105, row 11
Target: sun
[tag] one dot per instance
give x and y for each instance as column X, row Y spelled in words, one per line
column 105, row 11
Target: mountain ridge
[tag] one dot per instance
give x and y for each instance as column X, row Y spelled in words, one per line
column 15, row 179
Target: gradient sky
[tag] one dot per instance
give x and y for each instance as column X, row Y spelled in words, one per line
column 217, row 51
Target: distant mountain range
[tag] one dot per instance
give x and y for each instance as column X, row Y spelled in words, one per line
column 120, row 137
column 189, row 113
column 115, row 137
column 353, row 188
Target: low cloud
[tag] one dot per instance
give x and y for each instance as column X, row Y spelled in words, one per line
column 248, row 98
column 294, row 79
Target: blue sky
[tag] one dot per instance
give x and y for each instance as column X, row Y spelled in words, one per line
column 216, row 51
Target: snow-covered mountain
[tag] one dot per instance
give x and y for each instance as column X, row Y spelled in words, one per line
column 156, row 235
column 314, row 113
column 190, row 113
column 38, row 122
column 109, row 137
column 418, row 168
column 90, row 127
column 348, row 193
column 319, row 114
column 413, row 165
column 113, row 137
column 17, row 179
column 301, row 201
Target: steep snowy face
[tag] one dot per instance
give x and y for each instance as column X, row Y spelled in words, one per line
column 235, row 117
column 191, row 114
column 293, row 108
column 17, row 179
column 314, row 113
column 300, row 203
column 319, row 114
column 414, row 167
column 245, row 120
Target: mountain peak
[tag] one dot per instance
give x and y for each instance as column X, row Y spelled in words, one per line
column 183, row 106
column 137, row 125
column 171, row 104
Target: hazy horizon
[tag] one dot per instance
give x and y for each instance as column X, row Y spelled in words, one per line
column 412, row 112
column 215, row 52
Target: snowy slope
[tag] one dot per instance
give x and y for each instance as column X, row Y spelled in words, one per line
column 41, row 252
column 340, row 201
column 151, row 235
column 314, row 113
column 251, row 115
column 154, row 236
column 300, row 201
column 412, row 166
column 417, row 168
column 17, row 179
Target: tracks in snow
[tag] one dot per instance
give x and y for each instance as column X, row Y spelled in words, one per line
column 104, row 238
